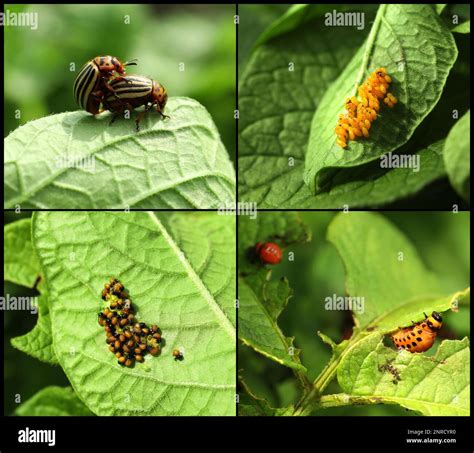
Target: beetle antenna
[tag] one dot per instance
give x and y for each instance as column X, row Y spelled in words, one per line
column 131, row 62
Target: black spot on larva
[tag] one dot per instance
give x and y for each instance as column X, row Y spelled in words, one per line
column 423, row 325
column 413, row 343
column 420, row 331
column 403, row 346
column 408, row 346
column 419, row 339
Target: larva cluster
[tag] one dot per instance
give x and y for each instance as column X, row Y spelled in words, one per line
column 128, row 339
column 359, row 115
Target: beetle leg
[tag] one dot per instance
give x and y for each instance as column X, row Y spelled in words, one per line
column 141, row 115
column 114, row 117
column 161, row 113
column 117, row 113
column 109, row 87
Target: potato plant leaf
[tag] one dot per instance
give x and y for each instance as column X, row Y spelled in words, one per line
column 74, row 160
column 252, row 405
column 384, row 269
column 39, row 341
column 464, row 27
column 53, row 401
column 185, row 289
column 274, row 136
column 20, row 264
column 393, row 287
column 22, row 267
column 457, row 155
column 261, row 299
column 418, row 72
column 437, row 385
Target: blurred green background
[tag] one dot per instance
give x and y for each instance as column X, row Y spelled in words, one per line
column 38, row 80
column 442, row 240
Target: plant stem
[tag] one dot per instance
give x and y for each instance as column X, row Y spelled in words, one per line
column 313, row 397
column 342, row 399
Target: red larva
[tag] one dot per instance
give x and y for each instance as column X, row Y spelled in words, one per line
column 268, row 252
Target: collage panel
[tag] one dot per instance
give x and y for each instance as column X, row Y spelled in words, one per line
column 119, row 314
column 224, row 220
column 365, row 106
column 119, row 107
column 354, row 314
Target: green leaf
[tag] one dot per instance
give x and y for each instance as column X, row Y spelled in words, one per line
column 261, row 299
column 53, row 401
column 264, row 122
column 418, row 76
column 383, row 268
column 20, row 264
column 371, row 185
column 437, row 385
column 397, row 317
column 253, row 19
column 295, row 16
column 464, row 27
column 38, row 342
column 274, row 128
column 252, row 405
column 183, row 285
column 457, row 156
column 77, row 161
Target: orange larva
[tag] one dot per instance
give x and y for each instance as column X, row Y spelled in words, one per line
column 360, row 113
column 420, row 336
column 357, row 132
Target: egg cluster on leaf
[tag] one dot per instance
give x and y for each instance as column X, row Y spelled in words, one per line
column 128, row 339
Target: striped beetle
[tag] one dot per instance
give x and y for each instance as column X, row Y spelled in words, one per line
column 94, row 77
column 134, row 91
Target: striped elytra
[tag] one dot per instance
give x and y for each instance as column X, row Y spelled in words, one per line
column 129, row 88
column 86, row 83
column 131, row 92
column 93, row 80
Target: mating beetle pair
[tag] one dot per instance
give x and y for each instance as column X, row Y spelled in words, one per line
column 97, row 84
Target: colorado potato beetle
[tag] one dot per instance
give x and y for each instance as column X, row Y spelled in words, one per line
column 420, row 336
column 134, row 91
column 94, row 77
column 268, row 252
